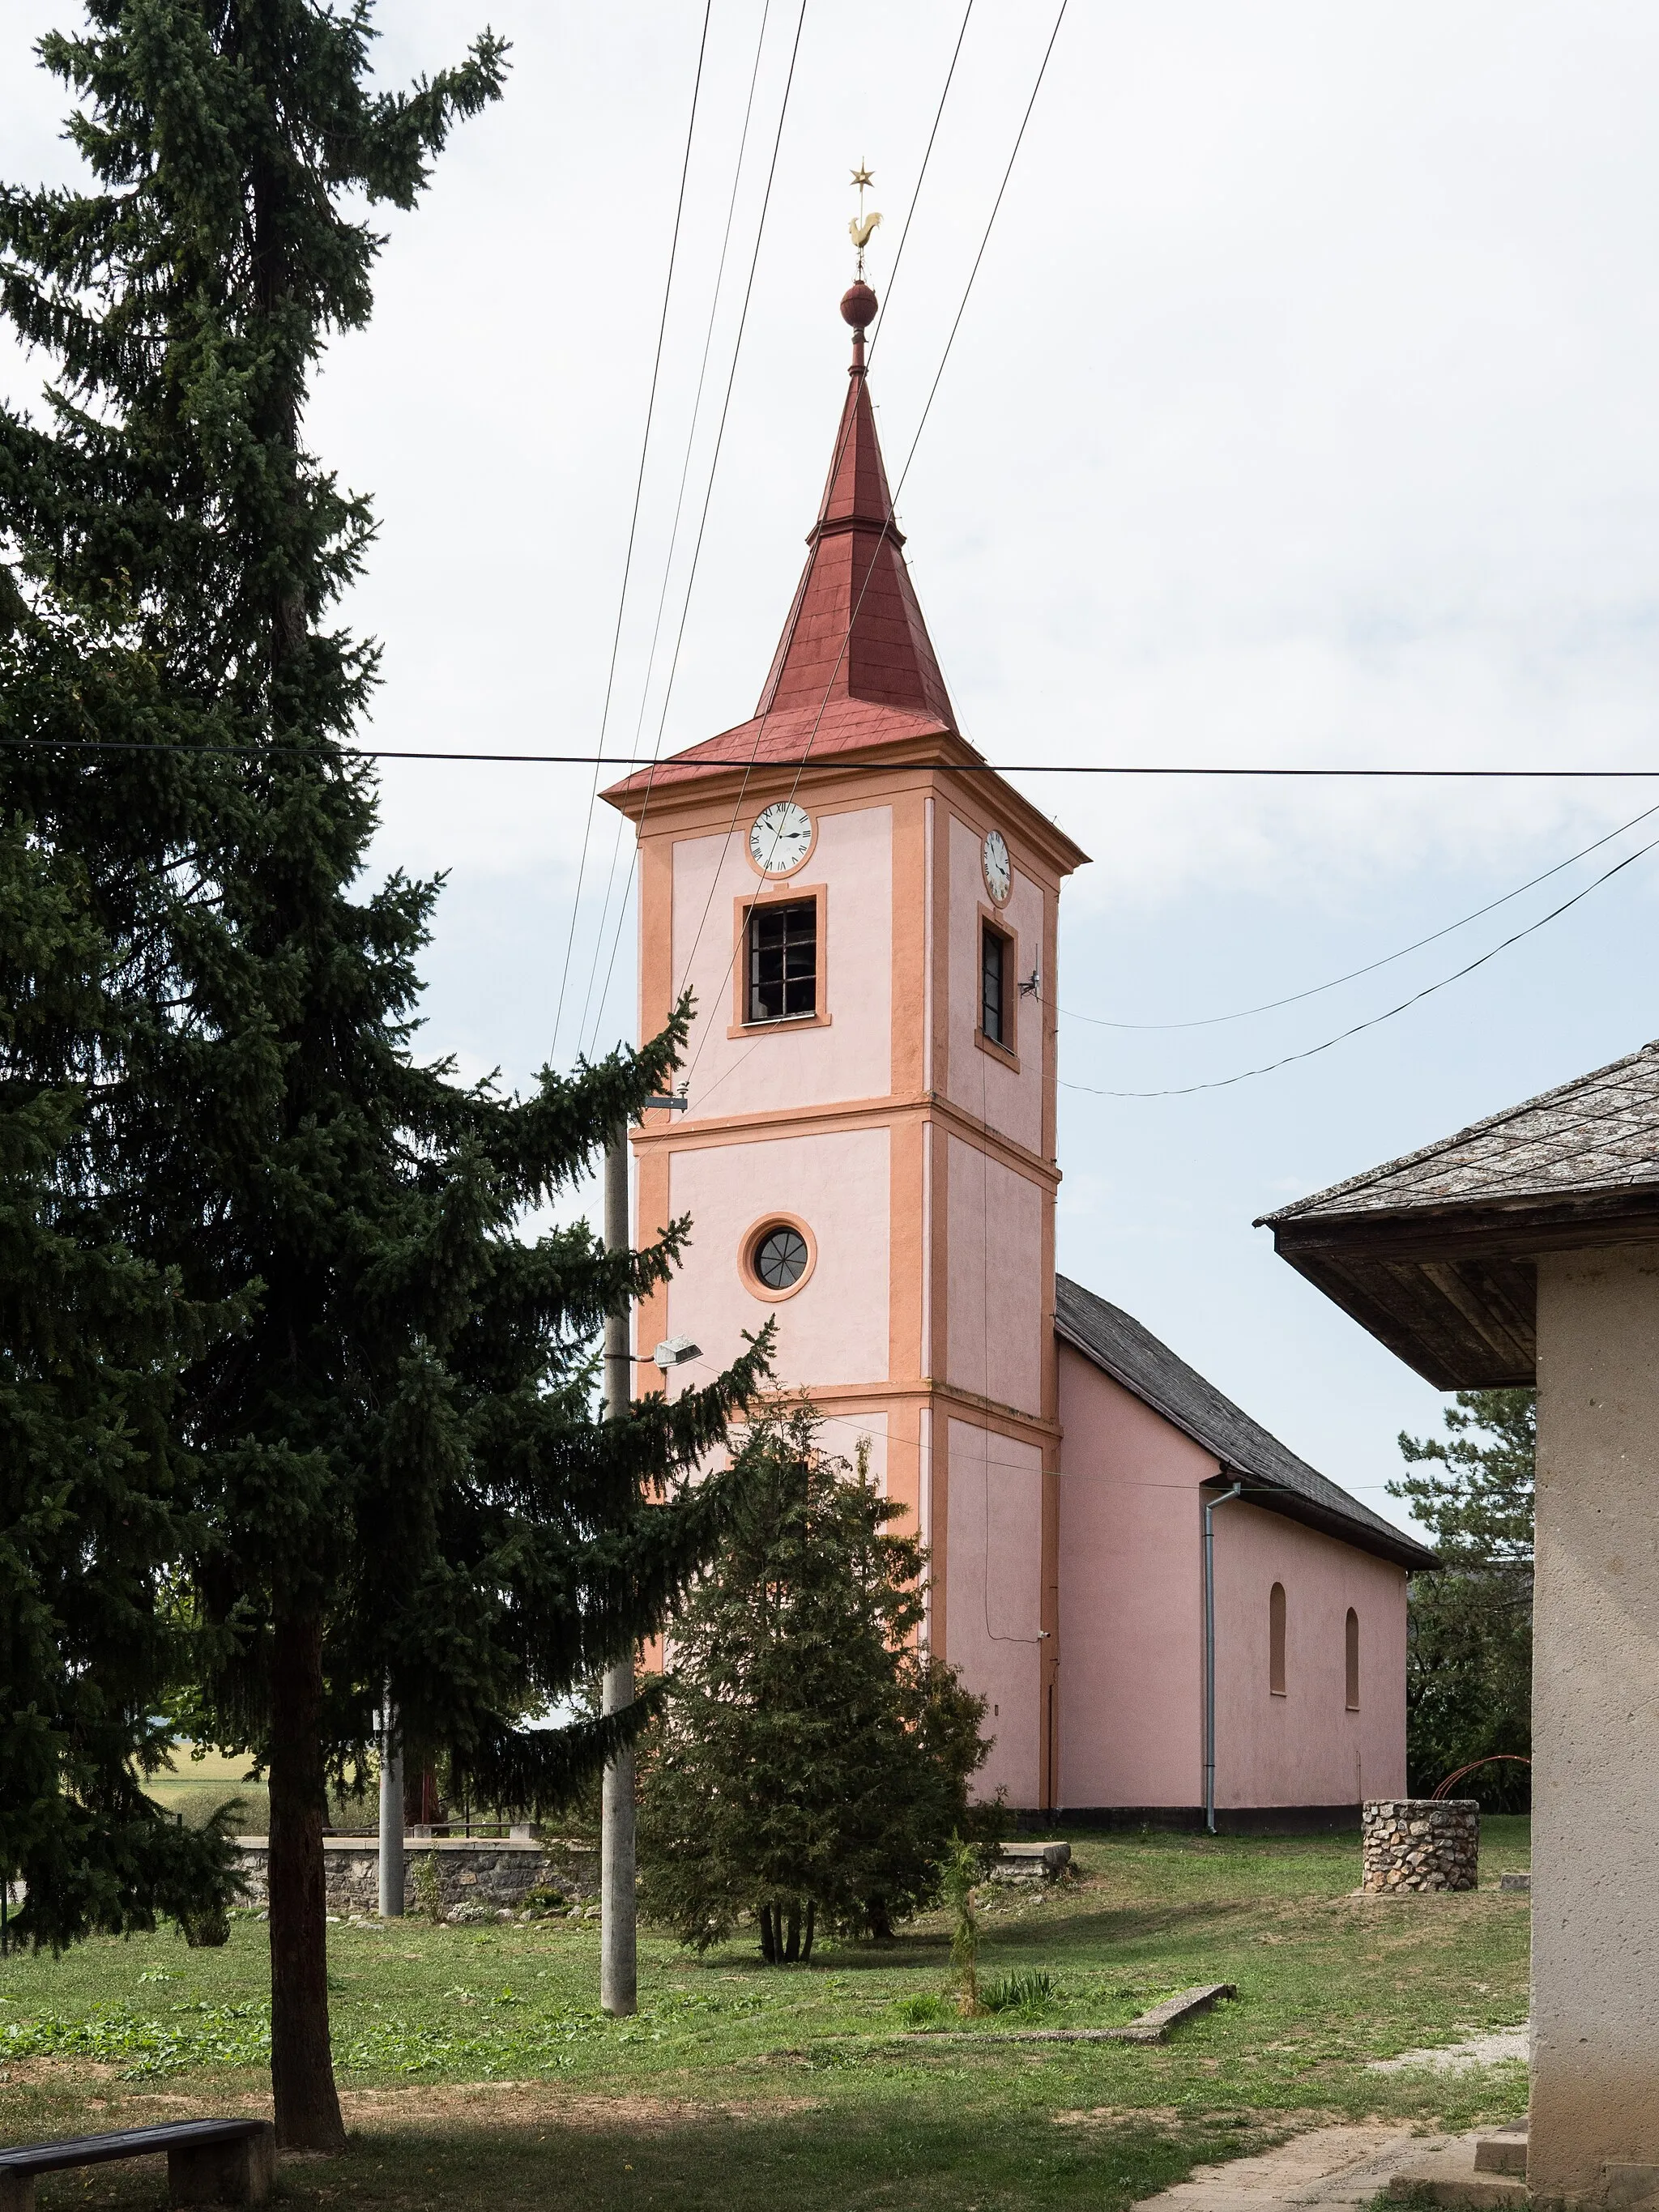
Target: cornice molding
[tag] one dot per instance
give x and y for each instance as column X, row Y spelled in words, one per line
column 834, row 1115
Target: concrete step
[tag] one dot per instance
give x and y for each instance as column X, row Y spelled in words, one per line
column 1450, row 2176
column 1502, row 2151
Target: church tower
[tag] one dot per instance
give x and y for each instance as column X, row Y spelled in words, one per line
column 867, row 918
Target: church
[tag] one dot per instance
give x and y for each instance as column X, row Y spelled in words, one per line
column 1171, row 1616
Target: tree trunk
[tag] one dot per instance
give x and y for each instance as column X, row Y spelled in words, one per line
column 769, row 1942
column 811, row 1925
column 302, row 2067
column 791, row 1949
column 880, row 1920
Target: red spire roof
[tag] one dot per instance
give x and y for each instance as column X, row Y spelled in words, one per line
column 855, row 630
column 855, row 667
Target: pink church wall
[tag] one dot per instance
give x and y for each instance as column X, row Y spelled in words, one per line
column 996, row 1305
column 1305, row 1748
column 848, row 1057
column 1009, row 1102
column 1132, row 1629
column 994, row 1596
column 1131, row 1598
column 834, row 1328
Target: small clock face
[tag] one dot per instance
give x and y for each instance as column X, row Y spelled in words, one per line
column 998, row 875
column 781, row 837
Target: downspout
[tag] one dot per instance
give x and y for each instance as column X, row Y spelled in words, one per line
column 1210, row 1504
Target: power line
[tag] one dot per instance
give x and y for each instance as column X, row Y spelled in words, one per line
column 719, row 439
column 1268, row 1005
column 634, row 519
column 845, row 431
column 1019, row 138
column 833, row 765
column 718, row 287
column 848, row 418
column 1224, row 1082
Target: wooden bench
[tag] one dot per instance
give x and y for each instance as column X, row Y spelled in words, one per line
column 208, row 2161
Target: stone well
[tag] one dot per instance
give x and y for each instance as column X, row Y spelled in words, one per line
column 1414, row 1845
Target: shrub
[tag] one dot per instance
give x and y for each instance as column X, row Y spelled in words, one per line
column 207, row 1927
column 962, row 1874
column 1028, row 1992
column 812, row 1764
column 429, row 1894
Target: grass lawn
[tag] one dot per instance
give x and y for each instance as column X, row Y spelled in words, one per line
column 478, row 2074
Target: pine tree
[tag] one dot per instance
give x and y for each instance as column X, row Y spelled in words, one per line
column 1469, row 1675
column 395, row 1472
column 92, row 1496
column 812, row 1766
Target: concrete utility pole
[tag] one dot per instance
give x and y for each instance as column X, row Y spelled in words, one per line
column 391, row 1813
column 619, row 1965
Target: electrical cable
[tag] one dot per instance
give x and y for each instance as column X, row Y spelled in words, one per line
column 904, row 472
column 634, row 519
column 719, row 439
column 1224, row 1082
column 1269, row 1005
column 835, row 464
column 258, row 748
column 674, row 527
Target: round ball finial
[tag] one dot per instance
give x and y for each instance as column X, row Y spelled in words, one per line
column 858, row 305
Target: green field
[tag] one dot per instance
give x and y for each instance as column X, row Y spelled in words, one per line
column 477, row 2071
column 195, row 1788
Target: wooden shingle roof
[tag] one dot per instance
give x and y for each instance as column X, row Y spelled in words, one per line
column 1434, row 1252
column 1597, row 1133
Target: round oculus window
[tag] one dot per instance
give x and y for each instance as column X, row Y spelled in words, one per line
column 778, row 1257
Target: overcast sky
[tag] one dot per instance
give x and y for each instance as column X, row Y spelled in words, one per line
column 1301, row 414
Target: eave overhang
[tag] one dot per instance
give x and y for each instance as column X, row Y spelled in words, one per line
column 1453, row 1290
column 723, row 770
column 1272, row 1497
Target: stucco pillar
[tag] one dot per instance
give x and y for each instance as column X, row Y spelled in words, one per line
column 1594, row 2119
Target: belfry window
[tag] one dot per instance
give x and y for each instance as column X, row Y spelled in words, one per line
column 783, row 962
column 994, row 984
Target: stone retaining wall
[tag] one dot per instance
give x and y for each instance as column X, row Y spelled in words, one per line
column 1414, row 1845
column 492, row 1872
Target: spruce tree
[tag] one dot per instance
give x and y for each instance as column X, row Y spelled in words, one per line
column 1468, row 1669
column 812, row 1766
column 93, row 1497
column 395, row 1473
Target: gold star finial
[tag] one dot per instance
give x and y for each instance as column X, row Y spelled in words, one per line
column 862, row 227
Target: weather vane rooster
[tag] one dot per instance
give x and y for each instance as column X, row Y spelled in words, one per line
column 862, row 227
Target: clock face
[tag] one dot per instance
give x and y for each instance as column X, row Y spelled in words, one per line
column 781, row 837
column 999, row 875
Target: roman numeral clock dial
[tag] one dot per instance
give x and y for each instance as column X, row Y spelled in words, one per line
column 999, row 875
column 781, row 837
